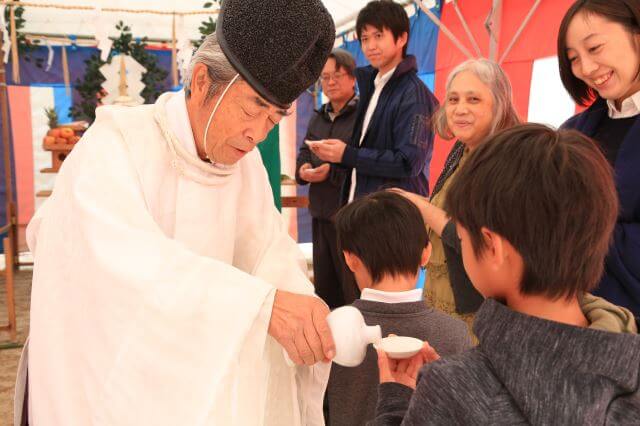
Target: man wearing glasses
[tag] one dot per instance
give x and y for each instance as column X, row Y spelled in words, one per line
column 334, row 120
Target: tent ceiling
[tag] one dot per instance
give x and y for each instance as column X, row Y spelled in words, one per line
column 74, row 22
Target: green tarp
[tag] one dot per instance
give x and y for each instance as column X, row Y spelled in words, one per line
column 270, row 151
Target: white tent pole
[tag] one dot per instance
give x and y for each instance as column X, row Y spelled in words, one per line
column 444, row 29
column 519, row 32
column 466, row 28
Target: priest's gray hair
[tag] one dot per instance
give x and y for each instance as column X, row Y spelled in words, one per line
column 492, row 75
column 220, row 71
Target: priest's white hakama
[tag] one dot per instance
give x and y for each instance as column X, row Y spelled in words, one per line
column 153, row 285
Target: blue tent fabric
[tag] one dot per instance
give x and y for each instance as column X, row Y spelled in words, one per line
column 428, row 78
column 353, row 47
column 422, row 275
column 423, row 41
column 63, row 103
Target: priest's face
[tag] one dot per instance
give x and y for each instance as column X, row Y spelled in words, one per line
column 241, row 122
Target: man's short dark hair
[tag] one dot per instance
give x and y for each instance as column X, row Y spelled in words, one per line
column 344, row 61
column 383, row 14
column 549, row 193
column 623, row 12
column 386, row 231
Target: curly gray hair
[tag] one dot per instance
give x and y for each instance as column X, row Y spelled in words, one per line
column 492, row 75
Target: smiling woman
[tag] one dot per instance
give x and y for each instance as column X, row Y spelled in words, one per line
column 599, row 58
column 477, row 103
column 598, row 47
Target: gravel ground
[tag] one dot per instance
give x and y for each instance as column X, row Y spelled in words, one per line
column 9, row 357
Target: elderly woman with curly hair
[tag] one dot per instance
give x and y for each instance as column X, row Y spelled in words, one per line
column 478, row 103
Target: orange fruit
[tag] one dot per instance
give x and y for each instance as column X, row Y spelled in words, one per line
column 66, row 133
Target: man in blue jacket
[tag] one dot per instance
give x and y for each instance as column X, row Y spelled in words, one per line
column 392, row 140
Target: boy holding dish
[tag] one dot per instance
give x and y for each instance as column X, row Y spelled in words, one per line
column 534, row 210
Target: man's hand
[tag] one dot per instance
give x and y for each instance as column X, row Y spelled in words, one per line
column 319, row 174
column 299, row 324
column 330, row 150
column 405, row 371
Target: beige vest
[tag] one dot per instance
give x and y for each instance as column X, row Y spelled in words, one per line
column 437, row 288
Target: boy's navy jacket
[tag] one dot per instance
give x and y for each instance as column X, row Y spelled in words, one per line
column 621, row 281
column 397, row 147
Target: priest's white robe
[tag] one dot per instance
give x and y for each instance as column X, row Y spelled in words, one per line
column 152, row 292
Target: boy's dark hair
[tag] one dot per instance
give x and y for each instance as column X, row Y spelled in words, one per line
column 383, row 14
column 551, row 194
column 386, row 231
column 623, row 12
column 344, row 61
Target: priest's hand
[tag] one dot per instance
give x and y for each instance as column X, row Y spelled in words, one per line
column 405, row 371
column 319, row 174
column 299, row 324
column 330, row 150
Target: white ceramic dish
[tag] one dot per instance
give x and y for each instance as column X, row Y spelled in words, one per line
column 311, row 144
column 399, row 347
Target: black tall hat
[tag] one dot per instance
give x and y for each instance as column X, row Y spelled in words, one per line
column 278, row 46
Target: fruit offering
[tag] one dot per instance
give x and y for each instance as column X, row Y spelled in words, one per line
column 66, row 134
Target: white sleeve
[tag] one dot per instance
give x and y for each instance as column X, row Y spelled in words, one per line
column 280, row 262
column 264, row 245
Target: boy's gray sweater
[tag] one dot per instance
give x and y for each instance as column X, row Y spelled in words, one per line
column 352, row 392
column 526, row 370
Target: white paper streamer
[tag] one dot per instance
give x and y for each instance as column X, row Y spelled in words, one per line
column 135, row 86
column 49, row 56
